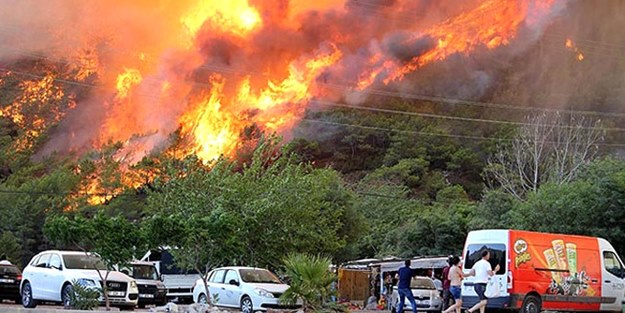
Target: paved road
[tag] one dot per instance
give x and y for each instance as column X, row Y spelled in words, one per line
column 8, row 306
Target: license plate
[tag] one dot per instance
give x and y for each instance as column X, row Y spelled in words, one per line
column 116, row 293
column 142, row 295
column 4, row 280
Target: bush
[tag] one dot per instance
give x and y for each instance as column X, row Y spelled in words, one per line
column 311, row 281
column 84, row 298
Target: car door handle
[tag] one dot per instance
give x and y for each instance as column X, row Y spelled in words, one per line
column 594, row 281
column 607, row 281
column 222, row 288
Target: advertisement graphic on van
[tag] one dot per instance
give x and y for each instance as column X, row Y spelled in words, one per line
column 570, row 272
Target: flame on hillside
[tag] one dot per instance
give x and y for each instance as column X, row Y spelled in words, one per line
column 210, row 69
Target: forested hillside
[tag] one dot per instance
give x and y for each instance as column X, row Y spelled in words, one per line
column 520, row 131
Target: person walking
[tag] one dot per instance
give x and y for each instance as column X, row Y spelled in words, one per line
column 482, row 270
column 446, row 284
column 403, row 287
column 455, row 284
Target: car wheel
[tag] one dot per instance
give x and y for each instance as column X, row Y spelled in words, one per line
column 27, row 296
column 246, row 305
column 127, row 308
column 531, row 304
column 202, row 299
column 141, row 305
column 66, row 296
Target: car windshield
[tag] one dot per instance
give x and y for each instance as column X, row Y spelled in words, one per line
column 422, row 283
column 259, row 276
column 83, row 262
column 143, row 272
column 9, row 269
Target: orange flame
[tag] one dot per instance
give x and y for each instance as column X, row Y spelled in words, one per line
column 569, row 44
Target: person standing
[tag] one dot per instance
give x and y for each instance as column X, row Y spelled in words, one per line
column 482, row 270
column 446, row 284
column 455, row 284
column 403, row 287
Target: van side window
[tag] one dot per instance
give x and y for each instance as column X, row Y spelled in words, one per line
column 612, row 264
column 497, row 256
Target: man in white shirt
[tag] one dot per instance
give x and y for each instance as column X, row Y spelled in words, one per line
column 482, row 272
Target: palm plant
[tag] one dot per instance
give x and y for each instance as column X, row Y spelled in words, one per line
column 310, row 281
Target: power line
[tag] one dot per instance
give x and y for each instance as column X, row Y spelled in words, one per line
column 458, row 118
column 414, row 132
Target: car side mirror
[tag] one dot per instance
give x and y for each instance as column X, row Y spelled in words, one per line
column 233, row 282
column 161, row 278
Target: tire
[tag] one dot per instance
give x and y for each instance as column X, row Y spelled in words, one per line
column 127, row 308
column 27, row 296
column 66, row 298
column 141, row 305
column 531, row 304
column 246, row 305
column 202, row 299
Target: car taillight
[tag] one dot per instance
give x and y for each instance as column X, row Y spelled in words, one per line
column 19, row 277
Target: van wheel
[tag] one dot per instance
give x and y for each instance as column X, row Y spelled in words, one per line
column 531, row 304
column 27, row 296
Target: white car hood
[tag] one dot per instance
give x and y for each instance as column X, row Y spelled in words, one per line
column 93, row 274
column 273, row 288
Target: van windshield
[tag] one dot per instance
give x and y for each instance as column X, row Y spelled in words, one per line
column 143, row 272
column 497, row 256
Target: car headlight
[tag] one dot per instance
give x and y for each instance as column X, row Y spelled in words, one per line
column 87, row 282
column 133, row 284
column 263, row 293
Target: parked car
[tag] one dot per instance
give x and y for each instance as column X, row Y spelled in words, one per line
column 50, row 275
column 10, row 278
column 151, row 288
column 425, row 293
column 249, row 289
column 178, row 283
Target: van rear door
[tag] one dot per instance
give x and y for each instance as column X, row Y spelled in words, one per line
column 495, row 241
column 612, row 273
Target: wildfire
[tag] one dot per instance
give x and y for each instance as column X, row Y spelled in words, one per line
column 569, row 44
column 211, row 69
column 127, row 80
column 491, row 24
column 217, row 120
column 233, row 16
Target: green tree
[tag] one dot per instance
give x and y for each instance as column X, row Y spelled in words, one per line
column 10, row 247
column 114, row 239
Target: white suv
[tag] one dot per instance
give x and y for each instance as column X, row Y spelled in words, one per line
column 247, row 288
column 50, row 274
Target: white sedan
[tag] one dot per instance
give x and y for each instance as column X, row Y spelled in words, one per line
column 247, row 288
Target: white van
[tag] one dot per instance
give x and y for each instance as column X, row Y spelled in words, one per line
column 544, row 271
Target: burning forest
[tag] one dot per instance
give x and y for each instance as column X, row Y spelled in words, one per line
column 136, row 73
column 208, row 78
column 354, row 128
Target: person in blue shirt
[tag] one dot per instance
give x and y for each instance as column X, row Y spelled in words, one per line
column 403, row 287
